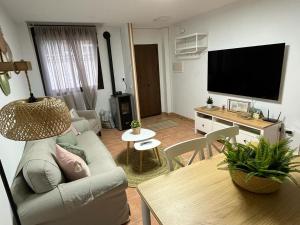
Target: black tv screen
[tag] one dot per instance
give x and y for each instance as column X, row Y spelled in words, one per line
column 249, row 71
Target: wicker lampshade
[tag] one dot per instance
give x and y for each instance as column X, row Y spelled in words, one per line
column 24, row 121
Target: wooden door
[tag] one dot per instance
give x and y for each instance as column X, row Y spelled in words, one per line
column 146, row 57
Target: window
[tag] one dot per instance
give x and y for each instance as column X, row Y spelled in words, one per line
column 68, row 58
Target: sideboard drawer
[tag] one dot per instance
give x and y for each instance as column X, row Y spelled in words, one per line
column 219, row 126
column 204, row 125
column 245, row 137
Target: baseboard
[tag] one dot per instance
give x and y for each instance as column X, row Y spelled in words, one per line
column 180, row 116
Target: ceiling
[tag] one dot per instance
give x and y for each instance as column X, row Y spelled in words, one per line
column 144, row 12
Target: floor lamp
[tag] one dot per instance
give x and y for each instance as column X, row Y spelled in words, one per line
column 27, row 119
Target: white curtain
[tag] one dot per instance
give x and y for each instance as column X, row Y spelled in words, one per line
column 69, row 62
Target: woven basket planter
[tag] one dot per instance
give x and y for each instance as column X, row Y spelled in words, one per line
column 258, row 185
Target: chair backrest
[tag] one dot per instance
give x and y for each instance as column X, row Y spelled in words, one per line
column 228, row 134
column 197, row 145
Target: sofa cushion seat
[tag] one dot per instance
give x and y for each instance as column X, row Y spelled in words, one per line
column 98, row 158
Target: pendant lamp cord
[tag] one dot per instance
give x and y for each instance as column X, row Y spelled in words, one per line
column 28, row 82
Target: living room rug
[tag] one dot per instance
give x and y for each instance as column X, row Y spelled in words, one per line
column 151, row 166
column 162, row 125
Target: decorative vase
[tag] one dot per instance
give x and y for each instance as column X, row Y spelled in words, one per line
column 209, row 106
column 255, row 184
column 136, row 130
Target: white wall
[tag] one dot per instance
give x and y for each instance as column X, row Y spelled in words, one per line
column 10, row 151
column 156, row 36
column 118, row 64
column 28, row 53
column 127, row 58
column 247, row 23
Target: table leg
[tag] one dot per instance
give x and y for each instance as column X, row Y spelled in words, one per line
column 127, row 152
column 146, row 214
column 157, row 153
column 141, row 161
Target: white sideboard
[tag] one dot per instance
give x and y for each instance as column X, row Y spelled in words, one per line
column 249, row 130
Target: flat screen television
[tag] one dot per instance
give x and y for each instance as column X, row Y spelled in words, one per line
column 249, row 71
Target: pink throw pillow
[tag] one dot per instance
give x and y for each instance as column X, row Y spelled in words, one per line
column 72, row 165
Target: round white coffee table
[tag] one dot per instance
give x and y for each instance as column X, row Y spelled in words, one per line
column 150, row 144
column 129, row 137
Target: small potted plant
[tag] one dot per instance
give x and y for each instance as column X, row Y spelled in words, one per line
column 209, row 103
column 261, row 167
column 136, row 127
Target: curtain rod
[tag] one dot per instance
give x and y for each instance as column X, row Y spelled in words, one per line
column 59, row 25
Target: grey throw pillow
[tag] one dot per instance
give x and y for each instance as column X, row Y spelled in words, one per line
column 68, row 137
column 77, row 150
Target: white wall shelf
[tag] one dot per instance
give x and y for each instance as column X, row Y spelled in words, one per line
column 192, row 44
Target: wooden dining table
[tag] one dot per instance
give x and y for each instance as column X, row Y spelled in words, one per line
column 202, row 194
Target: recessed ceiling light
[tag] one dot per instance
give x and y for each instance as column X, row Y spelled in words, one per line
column 162, row 19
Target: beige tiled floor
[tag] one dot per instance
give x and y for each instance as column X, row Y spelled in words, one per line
column 112, row 140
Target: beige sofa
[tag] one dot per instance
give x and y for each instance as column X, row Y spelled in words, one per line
column 97, row 200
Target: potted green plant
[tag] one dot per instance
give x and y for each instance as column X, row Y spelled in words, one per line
column 262, row 167
column 209, row 102
column 135, row 126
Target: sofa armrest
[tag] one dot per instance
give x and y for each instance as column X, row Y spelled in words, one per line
column 83, row 191
column 88, row 114
column 81, row 125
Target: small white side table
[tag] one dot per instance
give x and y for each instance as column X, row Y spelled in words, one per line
column 150, row 144
column 129, row 137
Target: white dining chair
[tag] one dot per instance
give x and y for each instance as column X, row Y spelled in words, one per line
column 197, row 145
column 228, row 134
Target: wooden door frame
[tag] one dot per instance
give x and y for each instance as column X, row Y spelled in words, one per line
column 134, row 74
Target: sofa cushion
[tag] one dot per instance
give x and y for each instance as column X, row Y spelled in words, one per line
column 68, row 137
column 39, row 168
column 99, row 158
column 72, row 165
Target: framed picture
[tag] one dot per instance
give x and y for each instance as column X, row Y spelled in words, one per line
column 238, row 106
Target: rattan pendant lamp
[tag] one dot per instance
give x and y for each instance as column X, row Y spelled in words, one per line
column 34, row 118
column 28, row 119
